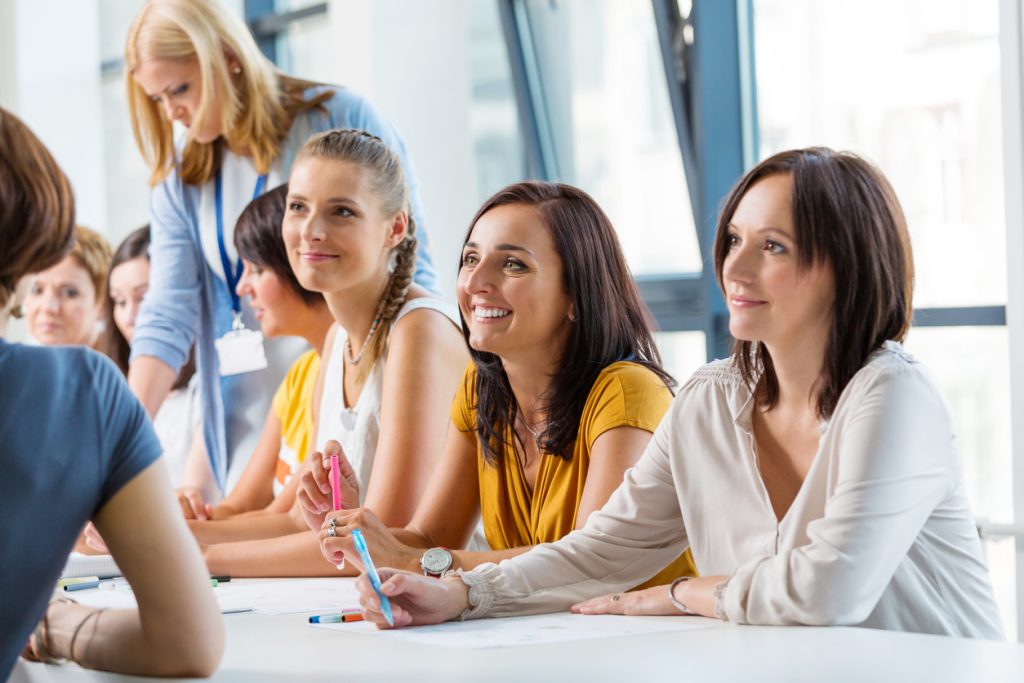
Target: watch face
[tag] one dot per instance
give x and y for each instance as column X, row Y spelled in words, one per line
column 436, row 560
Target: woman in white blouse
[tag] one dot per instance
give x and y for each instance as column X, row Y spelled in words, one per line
column 814, row 474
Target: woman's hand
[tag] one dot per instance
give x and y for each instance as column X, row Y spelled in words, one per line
column 93, row 539
column 192, row 504
column 653, row 601
column 415, row 599
column 384, row 547
column 314, row 493
column 697, row 594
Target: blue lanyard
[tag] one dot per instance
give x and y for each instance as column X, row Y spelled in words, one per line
column 231, row 275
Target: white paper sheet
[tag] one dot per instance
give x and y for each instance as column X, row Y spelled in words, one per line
column 270, row 597
column 534, row 630
column 79, row 564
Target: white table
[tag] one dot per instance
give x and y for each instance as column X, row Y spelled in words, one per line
column 262, row 648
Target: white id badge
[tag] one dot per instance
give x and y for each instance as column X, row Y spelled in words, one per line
column 239, row 351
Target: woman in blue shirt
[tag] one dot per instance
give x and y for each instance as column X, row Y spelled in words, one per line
column 194, row 63
column 75, row 445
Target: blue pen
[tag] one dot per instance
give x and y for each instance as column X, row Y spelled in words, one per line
column 371, row 571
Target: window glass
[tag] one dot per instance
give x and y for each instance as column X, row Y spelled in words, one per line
column 969, row 364
column 605, row 95
column 681, row 353
column 913, row 85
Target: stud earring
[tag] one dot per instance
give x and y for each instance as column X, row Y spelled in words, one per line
column 237, row 70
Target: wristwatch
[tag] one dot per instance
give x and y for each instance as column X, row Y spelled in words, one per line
column 436, row 561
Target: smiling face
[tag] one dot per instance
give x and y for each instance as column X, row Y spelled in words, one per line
column 335, row 230
column 61, row 306
column 129, row 282
column 771, row 297
column 510, row 286
column 175, row 85
column 276, row 305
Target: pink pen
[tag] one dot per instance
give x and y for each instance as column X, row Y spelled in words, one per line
column 335, row 478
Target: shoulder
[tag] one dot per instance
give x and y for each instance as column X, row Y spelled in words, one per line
column 426, row 319
column 303, row 366
column 342, row 106
column 894, row 377
column 625, row 394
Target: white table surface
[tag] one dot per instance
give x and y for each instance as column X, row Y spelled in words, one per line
column 263, row 648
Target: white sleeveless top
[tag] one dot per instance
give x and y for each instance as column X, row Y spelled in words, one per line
column 357, row 428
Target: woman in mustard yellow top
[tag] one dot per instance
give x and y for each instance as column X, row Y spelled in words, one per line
column 562, row 396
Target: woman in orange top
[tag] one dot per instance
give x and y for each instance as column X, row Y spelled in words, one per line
column 562, row 396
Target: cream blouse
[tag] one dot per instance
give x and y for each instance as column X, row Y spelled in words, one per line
column 879, row 535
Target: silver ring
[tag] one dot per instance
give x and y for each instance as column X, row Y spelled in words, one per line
column 332, row 532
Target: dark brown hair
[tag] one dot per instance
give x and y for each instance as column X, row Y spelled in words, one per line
column 845, row 214
column 612, row 323
column 37, row 207
column 258, row 240
column 114, row 345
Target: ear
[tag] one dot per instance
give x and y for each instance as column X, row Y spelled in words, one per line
column 234, row 65
column 572, row 313
column 398, row 230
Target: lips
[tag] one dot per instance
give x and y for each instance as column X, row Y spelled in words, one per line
column 742, row 302
column 316, row 256
column 486, row 314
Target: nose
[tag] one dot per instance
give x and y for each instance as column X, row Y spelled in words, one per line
column 740, row 264
column 171, row 110
column 133, row 311
column 477, row 280
column 244, row 286
column 311, row 230
column 51, row 303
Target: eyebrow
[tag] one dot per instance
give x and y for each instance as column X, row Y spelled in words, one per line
column 501, row 247
column 330, row 200
column 769, row 229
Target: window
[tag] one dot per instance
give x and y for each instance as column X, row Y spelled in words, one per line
column 605, row 102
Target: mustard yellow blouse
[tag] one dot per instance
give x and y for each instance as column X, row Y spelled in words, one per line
column 624, row 395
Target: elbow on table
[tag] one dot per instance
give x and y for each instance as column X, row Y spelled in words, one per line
column 193, row 655
column 829, row 606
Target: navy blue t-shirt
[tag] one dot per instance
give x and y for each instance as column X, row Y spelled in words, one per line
column 71, row 435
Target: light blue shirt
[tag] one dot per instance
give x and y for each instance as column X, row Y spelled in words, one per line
column 188, row 301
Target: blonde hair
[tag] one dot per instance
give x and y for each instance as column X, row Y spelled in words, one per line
column 387, row 182
column 258, row 104
column 94, row 254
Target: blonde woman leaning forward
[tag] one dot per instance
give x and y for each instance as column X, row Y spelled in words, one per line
column 194, row 63
column 102, row 463
column 392, row 362
column 814, row 473
column 561, row 398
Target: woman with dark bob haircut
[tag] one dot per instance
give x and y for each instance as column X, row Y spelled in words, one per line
column 813, row 474
column 72, row 434
column 563, row 393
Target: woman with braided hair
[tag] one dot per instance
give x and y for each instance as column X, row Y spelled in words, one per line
column 392, row 363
